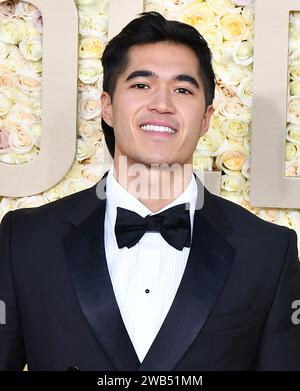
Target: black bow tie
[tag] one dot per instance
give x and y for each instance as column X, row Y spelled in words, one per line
column 174, row 225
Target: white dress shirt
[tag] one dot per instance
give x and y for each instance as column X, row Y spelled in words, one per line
column 145, row 277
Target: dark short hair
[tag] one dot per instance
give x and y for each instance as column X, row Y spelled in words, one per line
column 152, row 27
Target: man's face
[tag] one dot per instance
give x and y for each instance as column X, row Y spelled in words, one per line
column 158, row 107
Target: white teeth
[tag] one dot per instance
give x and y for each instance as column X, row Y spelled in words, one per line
column 156, row 128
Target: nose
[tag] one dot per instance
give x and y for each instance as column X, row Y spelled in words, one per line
column 161, row 101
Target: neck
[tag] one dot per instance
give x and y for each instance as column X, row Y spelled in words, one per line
column 155, row 186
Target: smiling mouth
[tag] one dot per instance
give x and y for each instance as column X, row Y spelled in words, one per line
column 158, row 129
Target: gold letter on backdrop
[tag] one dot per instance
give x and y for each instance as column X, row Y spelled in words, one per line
column 268, row 185
column 59, row 107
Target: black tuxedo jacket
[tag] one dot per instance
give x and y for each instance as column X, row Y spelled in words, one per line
column 232, row 311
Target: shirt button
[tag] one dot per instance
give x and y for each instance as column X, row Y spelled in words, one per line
column 147, row 291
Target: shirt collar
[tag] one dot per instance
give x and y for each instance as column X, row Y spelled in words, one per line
column 118, row 196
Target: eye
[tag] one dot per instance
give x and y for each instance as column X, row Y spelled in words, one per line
column 140, row 86
column 182, row 90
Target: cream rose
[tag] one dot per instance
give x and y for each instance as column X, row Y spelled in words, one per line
column 231, row 74
column 28, row 81
column 55, row 193
column 92, row 173
column 233, row 27
column 291, row 151
column 197, row 14
column 6, row 80
column 231, row 160
column 31, row 49
column 20, row 139
column 91, row 47
column 242, row 2
column 89, row 71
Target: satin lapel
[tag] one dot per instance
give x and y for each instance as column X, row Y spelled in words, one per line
column 208, row 265
column 85, row 254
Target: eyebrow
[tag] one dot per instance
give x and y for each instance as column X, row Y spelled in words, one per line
column 146, row 73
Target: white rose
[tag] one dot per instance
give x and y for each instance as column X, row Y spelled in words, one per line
column 4, row 50
column 234, row 109
column 75, row 171
column 213, row 143
column 5, row 104
column 89, row 71
column 20, row 139
column 26, row 9
column 6, row 205
column 93, row 25
column 55, row 193
column 71, row 186
column 246, row 169
column 242, row 2
column 233, row 183
column 6, row 80
column 295, row 87
column 212, row 34
column 21, row 114
column 291, row 151
column 245, row 91
column 91, row 47
column 289, row 218
column 28, row 30
column 90, row 131
column 89, row 106
column 85, row 150
column 233, row 26
column 230, row 74
column 202, row 163
column 10, row 32
column 269, row 214
column 30, row 202
column 31, row 48
column 236, row 129
column 294, row 70
column 243, row 53
column 222, row 54
column 293, row 133
column 220, row 6
column 294, row 110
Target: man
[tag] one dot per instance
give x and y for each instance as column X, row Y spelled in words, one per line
column 116, row 278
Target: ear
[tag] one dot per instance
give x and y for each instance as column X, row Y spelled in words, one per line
column 206, row 119
column 106, row 108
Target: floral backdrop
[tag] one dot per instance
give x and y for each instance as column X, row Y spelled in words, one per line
column 227, row 25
